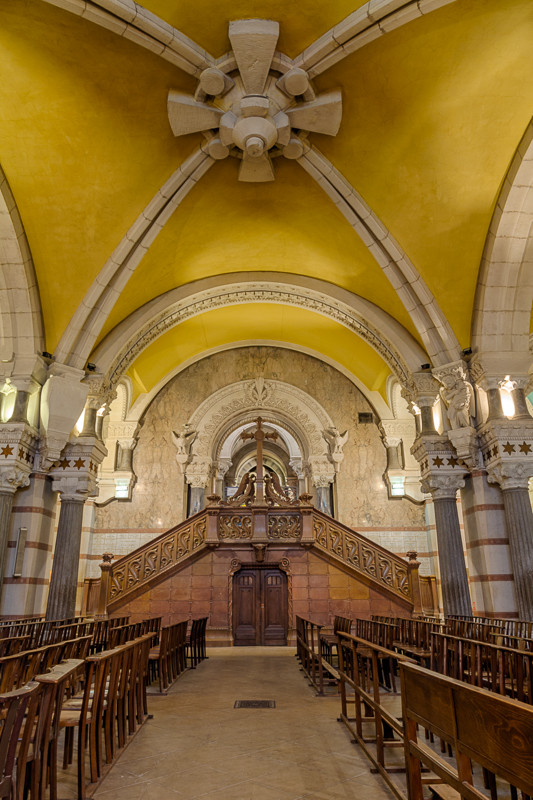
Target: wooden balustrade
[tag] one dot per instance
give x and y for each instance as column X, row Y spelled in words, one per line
column 224, row 524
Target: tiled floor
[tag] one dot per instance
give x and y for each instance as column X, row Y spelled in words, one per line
column 199, row 746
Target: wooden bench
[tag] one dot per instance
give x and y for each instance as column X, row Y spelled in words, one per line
column 493, row 732
column 168, row 658
column 195, row 646
column 329, row 642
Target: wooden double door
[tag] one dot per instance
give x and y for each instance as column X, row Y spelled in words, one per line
column 260, row 607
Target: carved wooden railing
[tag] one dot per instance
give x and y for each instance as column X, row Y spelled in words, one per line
column 376, row 565
column 293, row 524
column 151, row 562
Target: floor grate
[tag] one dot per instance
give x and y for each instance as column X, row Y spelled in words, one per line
column 255, row 704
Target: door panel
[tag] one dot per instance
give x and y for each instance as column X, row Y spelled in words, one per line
column 260, row 607
column 245, row 606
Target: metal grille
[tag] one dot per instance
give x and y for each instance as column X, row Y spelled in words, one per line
column 255, row 704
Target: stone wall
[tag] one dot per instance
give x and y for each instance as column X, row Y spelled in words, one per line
column 158, row 500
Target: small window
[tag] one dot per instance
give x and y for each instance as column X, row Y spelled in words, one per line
column 366, row 418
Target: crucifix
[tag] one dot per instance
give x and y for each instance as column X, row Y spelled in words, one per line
column 259, row 435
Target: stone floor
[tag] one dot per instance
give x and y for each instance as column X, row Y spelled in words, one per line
column 199, row 746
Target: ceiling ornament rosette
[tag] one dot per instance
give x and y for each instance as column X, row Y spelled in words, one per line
column 255, row 104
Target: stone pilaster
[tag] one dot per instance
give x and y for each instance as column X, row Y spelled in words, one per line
column 454, row 579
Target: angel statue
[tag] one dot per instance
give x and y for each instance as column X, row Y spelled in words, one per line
column 335, row 442
column 457, row 395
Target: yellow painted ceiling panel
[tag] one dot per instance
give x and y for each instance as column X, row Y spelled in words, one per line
column 207, row 22
column 289, row 225
column 84, row 141
column 432, row 117
column 257, row 321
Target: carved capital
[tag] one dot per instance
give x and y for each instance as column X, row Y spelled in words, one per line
column 510, row 475
column 321, row 470
column 466, row 445
column 423, row 389
column 13, row 478
column 442, row 486
column 198, row 473
column 394, row 431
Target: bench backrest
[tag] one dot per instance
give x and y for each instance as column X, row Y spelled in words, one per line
column 493, row 731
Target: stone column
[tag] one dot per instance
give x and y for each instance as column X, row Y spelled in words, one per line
column 64, row 580
column 198, row 476
column 514, row 479
column 454, row 580
column 197, row 499
column 74, row 477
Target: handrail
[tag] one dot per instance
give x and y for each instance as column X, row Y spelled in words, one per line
column 373, row 563
column 219, row 525
column 154, row 560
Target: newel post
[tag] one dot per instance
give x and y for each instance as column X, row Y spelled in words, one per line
column 213, row 508
column 306, row 510
column 105, row 568
column 414, row 582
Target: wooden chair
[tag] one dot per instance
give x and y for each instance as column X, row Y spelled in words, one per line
column 13, row 708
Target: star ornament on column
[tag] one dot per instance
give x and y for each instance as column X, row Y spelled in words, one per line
column 255, row 105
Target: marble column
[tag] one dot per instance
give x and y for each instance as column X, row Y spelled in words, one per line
column 64, row 580
column 519, row 520
column 452, row 565
column 197, row 500
column 454, row 580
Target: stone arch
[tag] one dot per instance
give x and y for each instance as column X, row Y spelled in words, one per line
column 21, row 328
column 504, row 294
column 277, row 403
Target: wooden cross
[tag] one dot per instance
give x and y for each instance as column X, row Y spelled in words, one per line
column 259, row 435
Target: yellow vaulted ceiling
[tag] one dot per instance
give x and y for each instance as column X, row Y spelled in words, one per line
column 432, row 115
column 242, row 323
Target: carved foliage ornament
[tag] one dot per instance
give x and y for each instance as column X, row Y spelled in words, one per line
column 254, row 103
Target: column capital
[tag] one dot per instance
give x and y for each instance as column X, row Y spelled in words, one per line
column 510, row 475
column 507, row 450
column 394, row 431
column 13, row 478
column 442, row 486
column 321, row 470
column 198, row 473
column 75, row 473
column 18, row 447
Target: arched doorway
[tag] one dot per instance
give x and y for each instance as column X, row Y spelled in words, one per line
column 260, row 606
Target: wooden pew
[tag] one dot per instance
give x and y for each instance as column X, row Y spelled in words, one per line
column 167, row 659
column 480, row 728
column 110, row 708
column 329, row 641
column 361, row 672
column 195, row 647
column 500, row 669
